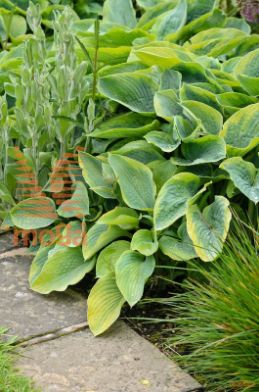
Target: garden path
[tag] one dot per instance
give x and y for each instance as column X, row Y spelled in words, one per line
column 60, row 353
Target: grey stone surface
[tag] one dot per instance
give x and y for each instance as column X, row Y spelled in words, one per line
column 7, row 242
column 27, row 313
column 119, row 361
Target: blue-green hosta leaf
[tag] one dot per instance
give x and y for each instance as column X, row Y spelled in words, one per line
column 133, row 90
column 238, row 23
column 244, row 175
column 125, row 125
column 241, row 130
column 97, row 176
column 165, row 57
column 196, row 93
column 167, row 105
column 132, row 271
column 34, row 213
column 78, row 205
column 124, row 217
column 119, row 12
column 72, row 235
column 162, row 171
column 139, row 150
column 171, row 202
column 104, row 304
column 98, row 237
column 136, row 182
column 206, row 149
column 162, row 140
column 210, row 119
column 247, row 72
column 231, row 102
column 170, row 21
column 170, row 80
column 108, row 257
column 58, row 270
column 181, row 248
column 143, row 242
column 208, row 229
column 250, row 84
column 196, row 8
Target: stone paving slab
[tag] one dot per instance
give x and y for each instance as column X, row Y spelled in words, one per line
column 7, row 242
column 27, row 313
column 119, row 361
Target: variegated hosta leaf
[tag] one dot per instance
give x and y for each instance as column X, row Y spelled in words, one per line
column 206, row 149
column 143, row 242
column 171, row 202
column 56, row 271
column 78, row 205
column 73, row 234
column 134, row 90
column 165, row 57
column 98, row 237
column 104, row 304
column 108, row 257
column 247, row 72
column 170, row 21
column 34, row 213
column 119, row 13
column 208, row 229
column 241, row 130
column 210, row 119
column 136, row 182
column 132, row 271
column 162, row 140
column 196, row 93
column 125, row 218
column 181, row 248
column 244, row 175
column 167, row 105
column 97, row 175
column 231, row 102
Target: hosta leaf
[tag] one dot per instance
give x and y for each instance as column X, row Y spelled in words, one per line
column 241, row 130
column 139, row 150
column 171, row 202
column 104, row 304
column 208, row 229
column 196, row 8
column 167, row 104
column 78, row 205
column 95, row 175
column 132, row 271
column 162, row 171
column 206, row 149
column 210, row 119
column 244, row 175
column 250, row 84
column 165, row 57
column 196, row 93
column 98, row 237
column 233, row 101
column 124, row 217
column 125, row 125
column 170, row 21
column 162, row 140
column 61, row 269
column 133, row 90
column 119, row 12
column 17, row 26
column 143, row 242
column 72, row 235
column 34, row 213
column 108, row 257
column 181, row 248
column 136, row 182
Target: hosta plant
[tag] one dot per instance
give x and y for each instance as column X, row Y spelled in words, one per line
column 157, row 110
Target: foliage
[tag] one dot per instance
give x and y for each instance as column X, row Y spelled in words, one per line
column 215, row 319
column 10, row 379
column 162, row 105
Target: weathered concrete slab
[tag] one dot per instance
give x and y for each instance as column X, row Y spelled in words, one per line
column 27, row 313
column 7, row 242
column 119, row 361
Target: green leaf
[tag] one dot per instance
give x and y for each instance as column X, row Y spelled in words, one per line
column 244, row 175
column 58, row 270
column 95, row 174
column 196, row 8
column 72, row 235
column 132, row 271
column 241, row 130
column 133, row 90
column 162, row 171
column 119, row 13
column 247, row 72
column 126, row 125
column 206, row 149
column 34, row 213
column 196, row 93
column 124, row 217
column 78, row 205
column 108, row 257
column 208, row 229
column 167, row 105
column 136, row 182
column 233, row 101
column 210, row 119
column 18, row 26
column 181, row 248
column 162, row 140
column 170, row 21
column 171, row 202
column 104, row 304
column 143, row 242
column 98, row 237
column 165, row 57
